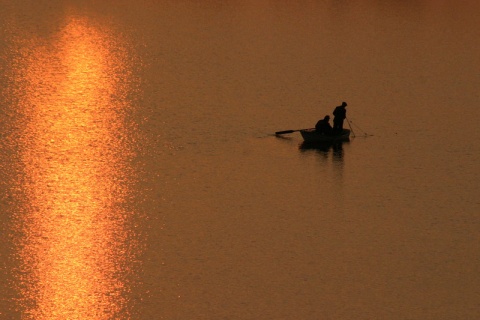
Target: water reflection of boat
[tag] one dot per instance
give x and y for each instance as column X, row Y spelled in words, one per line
column 324, row 147
column 311, row 135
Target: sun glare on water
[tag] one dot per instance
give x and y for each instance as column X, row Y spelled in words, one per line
column 74, row 154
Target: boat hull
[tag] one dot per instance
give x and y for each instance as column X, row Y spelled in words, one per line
column 311, row 135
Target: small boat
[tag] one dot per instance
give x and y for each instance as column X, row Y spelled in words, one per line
column 311, row 135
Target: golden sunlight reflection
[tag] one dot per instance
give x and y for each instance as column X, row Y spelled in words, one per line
column 78, row 244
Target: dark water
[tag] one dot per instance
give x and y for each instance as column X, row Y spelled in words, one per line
column 140, row 177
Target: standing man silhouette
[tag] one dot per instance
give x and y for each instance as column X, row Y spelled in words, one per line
column 340, row 113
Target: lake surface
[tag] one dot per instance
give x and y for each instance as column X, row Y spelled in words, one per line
column 141, row 177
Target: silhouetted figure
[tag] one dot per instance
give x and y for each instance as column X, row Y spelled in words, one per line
column 340, row 113
column 323, row 126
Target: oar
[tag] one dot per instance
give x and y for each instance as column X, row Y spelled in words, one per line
column 288, row 131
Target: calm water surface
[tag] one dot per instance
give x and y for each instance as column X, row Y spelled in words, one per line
column 140, row 177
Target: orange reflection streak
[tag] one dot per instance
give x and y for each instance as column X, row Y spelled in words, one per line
column 75, row 159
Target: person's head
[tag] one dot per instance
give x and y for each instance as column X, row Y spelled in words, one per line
column 326, row 118
column 344, row 104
